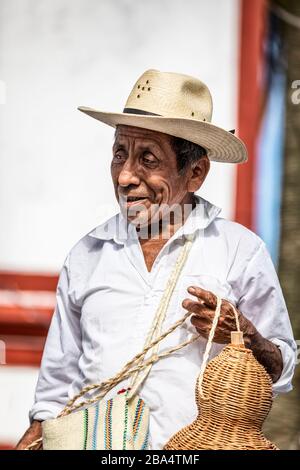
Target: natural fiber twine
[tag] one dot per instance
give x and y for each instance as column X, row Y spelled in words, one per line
column 237, row 397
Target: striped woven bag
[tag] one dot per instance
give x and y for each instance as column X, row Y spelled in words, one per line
column 122, row 422
column 109, row 424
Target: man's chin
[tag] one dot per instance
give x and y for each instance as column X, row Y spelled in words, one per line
column 140, row 220
column 137, row 214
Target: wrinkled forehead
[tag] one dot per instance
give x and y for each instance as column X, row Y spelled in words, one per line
column 125, row 133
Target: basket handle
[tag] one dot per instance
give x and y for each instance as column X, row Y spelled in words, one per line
column 236, row 338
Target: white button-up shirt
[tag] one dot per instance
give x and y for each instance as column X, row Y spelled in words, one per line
column 106, row 301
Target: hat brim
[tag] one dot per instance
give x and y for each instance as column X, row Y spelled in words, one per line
column 221, row 145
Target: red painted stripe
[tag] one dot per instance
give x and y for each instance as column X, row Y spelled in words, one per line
column 28, row 281
column 22, row 350
column 23, row 358
column 253, row 29
column 6, row 446
column 24, row 321
column 27, row 303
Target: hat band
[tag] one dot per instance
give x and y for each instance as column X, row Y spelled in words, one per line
column 147, row 113
column 139, row 111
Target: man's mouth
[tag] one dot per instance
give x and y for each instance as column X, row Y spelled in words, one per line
column 134, row 198
column 131, row 200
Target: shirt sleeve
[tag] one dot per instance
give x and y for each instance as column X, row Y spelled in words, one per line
column 62, row 350
column 262, row 302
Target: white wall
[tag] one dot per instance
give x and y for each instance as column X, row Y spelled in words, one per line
column 17, row 387
column 58, row 54
column 54, row 174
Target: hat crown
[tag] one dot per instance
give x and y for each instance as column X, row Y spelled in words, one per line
column 170, row 95
column 177, row 105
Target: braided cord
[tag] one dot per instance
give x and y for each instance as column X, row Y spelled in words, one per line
column 130, row 368
column 138, row 379
column 236, row 315
column 209, row 344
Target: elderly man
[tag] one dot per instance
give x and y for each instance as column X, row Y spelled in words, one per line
column 114, row 278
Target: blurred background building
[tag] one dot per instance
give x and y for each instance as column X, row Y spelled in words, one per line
column 55, row 182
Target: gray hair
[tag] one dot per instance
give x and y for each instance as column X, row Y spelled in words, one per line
column 186, row 152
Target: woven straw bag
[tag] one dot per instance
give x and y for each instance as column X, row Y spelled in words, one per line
column 233, row 397
column 122, row 422
column 117, row 423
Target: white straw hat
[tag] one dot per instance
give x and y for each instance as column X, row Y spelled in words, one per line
column 177, row 105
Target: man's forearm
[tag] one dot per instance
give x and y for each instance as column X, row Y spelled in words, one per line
column 267, row 354
column 33, row 432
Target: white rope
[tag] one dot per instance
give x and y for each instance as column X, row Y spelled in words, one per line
column 209, row 343
column 211, row 337
column 237, row 321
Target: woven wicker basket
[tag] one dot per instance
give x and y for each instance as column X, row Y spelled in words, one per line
column 237, row 397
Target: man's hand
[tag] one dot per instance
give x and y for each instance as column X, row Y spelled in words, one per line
column 204, row 308
column 266, row 352
column 33, row 432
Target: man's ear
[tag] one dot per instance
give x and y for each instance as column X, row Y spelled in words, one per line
column 199, row 172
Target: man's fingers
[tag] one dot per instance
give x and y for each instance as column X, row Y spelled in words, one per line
column 204, row 295
column 204, row 310
column 202, row 325
column 199, row 309
column 193, row 306
column 200, row 322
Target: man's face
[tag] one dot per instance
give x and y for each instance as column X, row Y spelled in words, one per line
column 144, row 173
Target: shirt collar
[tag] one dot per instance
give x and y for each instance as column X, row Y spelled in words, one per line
column 117, row 229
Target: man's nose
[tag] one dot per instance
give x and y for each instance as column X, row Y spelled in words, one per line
column 128, row 175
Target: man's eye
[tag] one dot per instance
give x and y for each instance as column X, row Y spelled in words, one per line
column 118, row 157
column 147, row 158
